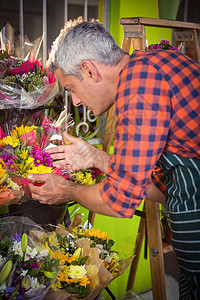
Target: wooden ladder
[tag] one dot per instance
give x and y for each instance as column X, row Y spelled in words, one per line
column 134, row 33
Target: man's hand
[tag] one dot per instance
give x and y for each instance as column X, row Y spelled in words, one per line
column 75, row 156
column 78, row 155
column 53, row 191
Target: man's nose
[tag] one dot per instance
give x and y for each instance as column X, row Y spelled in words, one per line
column 75, row 100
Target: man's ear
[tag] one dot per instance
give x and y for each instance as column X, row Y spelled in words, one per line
column 89, row 70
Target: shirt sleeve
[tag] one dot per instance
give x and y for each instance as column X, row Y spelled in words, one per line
column 143, row 120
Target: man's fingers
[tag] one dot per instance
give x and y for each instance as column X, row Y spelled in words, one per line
column 58, row 156
column 54, row 150
column 61, row 164
column 37, row 177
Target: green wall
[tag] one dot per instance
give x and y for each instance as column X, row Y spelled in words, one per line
column 124, row 231
column 136, row 8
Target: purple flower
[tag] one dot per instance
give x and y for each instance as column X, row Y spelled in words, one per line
column 9, row 160
column 41, row 158
column 17, row 238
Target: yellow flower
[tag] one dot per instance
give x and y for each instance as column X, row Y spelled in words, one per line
column 97, row 233
column 76, row 272
column 24, row 154
column 8, row 140
column 84, row 281
column 84, row 178
column 2, row 169
column 30, row 162
column 63, row 277
column 78, row 231
column 3, row 175
column 112, row 267
column 56, row 285
column 2, row 163
column 19, row 131
column 88, row 180
column 56, row 254
column 40, row 170
column 2, row 172
column 79, row 177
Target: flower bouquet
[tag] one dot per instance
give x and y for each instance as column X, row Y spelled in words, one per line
column 28, row 259
column 22, row 151
column 24, row 84
column 88, row 263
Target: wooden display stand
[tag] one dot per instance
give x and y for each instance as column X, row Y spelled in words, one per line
column 134, row 33
column 184, row 32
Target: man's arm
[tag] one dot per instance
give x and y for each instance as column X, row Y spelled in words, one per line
column 57, row 189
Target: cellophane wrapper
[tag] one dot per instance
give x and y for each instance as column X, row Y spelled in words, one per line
column 31, row 275
column 15, row 96
column 99, row 275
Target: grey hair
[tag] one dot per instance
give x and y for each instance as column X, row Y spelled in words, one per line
column 80, row 40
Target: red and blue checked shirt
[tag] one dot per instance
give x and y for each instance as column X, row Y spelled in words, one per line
column 158, row 109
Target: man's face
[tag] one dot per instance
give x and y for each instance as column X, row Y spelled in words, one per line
column 93, row 95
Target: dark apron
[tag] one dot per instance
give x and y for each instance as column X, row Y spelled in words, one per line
column 182, row 181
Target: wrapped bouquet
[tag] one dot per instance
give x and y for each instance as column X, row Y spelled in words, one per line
column 88, row 263
column 24, row 84
column 22, row 151
column 29, row 262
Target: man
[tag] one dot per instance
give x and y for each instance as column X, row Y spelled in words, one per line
column 157, row 137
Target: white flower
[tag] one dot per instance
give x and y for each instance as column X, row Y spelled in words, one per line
column 76, row 272
column 17, row 248
column 24, row 272
column 30, row 252
column 72, row 244
column 108, row 259
column 99, row 246
column 35, row 286
column 2, row 260
column 114, row 254
column 43, row 253
column 3, row 287
column 71, row 235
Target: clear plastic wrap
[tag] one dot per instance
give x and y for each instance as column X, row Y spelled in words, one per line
column 27, row 86
column 29, row 259
column 15, row 97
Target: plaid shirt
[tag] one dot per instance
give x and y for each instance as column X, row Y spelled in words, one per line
column 158, row 109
